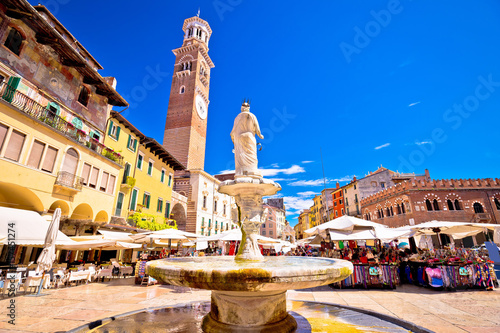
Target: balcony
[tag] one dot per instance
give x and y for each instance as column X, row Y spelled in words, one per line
column 41, row 113
column 67, row 183
column 127, row 184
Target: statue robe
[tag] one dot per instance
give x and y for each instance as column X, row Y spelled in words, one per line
column 243, row 134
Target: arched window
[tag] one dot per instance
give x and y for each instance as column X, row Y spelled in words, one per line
column 429, row 205
column 457, row 205
column 83, row 98
column 478, row 208
column 70, row 161
column 378, row 214
column 182, row 90
column 14, row 41
column 497, row 203
column 392, row 211
column 450, row 205
column 387, row 211
column 398, row 209
column 403, row 210
column 435, row 204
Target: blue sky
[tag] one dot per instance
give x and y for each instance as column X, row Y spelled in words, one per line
column 404, row 84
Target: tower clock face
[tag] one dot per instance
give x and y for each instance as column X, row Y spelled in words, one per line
column 201, row 107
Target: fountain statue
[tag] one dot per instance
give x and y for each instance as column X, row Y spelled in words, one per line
column 249, row 290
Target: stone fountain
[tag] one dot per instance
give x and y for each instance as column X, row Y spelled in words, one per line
column 249, row 290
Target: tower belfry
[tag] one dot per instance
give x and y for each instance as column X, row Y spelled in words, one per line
column 186, row 125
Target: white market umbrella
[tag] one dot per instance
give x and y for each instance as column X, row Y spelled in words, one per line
column 48, row 254
column 165, row 234
column 345, row 223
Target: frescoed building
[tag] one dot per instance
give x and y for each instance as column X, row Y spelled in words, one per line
column 54, row 106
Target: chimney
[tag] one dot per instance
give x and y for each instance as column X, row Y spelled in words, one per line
column 427, row 175
column 338, row 185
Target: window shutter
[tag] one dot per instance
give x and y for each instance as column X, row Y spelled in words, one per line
column 50, row 159
column 93, row 178
column 86, row 173
column 135, row 144
column 3, row 134
column 129, row 145
column 70, row 161
column 36, row 154
column 104, row 181
column 117, row 132
column 144, row 199
column 133, row 201
column 111, row 185
column 15, row 146
column 110, row 127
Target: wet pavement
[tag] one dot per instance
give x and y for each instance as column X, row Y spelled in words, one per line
column 63, row 309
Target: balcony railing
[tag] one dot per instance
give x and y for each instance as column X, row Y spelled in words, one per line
column 69, row 180
column 49, row 117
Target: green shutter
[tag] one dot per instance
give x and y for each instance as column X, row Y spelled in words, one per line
column 13, row 83
column 167, row 209
column 129, row 139
column 117, row 132
column 134, row 199
column 144, row 200
column 162, row 176
column 110, row 128
column 149, row 200
column 135, row 144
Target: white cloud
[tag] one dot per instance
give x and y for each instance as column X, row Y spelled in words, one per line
column 289, row 171
column 382, row 146
column 273, row 172
column 413, row 104
column 423, row 143
column 305, row 162
column 283, row 179
column 318, row 182
column 307, row 194
column 296, row 204
column 275, row 165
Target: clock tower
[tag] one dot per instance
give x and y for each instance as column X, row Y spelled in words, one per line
column 186, row 125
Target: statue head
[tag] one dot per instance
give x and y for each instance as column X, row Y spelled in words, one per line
column 245, row 106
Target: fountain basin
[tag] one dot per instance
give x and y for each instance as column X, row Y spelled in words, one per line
column 249, row 296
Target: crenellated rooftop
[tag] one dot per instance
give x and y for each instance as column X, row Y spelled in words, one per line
column 433, row 184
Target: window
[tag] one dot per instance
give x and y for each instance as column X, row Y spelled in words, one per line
column 111, row 184
column 167, row 209
column 70, row 161
column 93, row 177
column 345, row 202
column 497, row 203
column 3, row 134
column 224, row 211
column 435, row 204
column 159, row 205
column 202, row 221
column 50, row 159
column 450, row 205
column 340, row 201
column 270, row 232
column 209, row 223
column 392, row 211
column 382, row 184
column 398, row 209
column 428, row 204
column 139, row 161
column 204, row 201
column 162, row 177
column 15, row 146
column 182, row 90
column 36, row 154
column 14, row 41
column 457, row 205
column 374, row 184
column 114, row 130
column 150, row 168
column 270, row 225
column 86, row 173
column 133, row 200
column 342, row 211
column 215, row 206
column 146, row 199
column 126, row 173
column 336, row 213
column 335, row 203
column 170, row 180
column 119, row 204
column 132, row 143
column 263, row 232
column 478, row 208
column 83, row 98
column 104, row 181
column 354, row 186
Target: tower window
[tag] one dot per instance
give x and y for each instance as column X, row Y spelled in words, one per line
column 182, row 90
column 457, row 205
column 428, row 204
column 14, row 41
column 83, row 98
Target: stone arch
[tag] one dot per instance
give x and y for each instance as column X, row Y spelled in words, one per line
column 101, row 217
column 17, row 196
column 178, row 214
column 82, row 212
column 59, row 204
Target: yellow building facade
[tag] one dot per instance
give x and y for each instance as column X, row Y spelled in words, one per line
column 146, row 181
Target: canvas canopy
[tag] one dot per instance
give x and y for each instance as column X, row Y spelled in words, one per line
column 173, row 234
column 346, row 223
column 29, row 228
column 457, row 230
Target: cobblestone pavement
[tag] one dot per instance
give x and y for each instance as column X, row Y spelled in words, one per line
column 63, row 309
